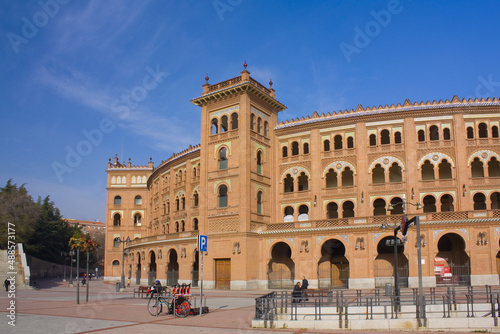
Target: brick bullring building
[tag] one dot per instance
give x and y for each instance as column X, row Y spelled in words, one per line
column 308, row 197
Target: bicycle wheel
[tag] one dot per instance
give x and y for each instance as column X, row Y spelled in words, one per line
column 182, row 309
column 154, row 306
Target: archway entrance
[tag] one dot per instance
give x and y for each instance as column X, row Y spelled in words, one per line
column 138, row 269
column 152, row 268
column 384, row 264
column 172, row 268
column 281, row 268
column 452, row 264
column 195, row 274
column 333, row 267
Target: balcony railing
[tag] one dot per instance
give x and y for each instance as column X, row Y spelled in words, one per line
column 378, row 220
column 163, row 237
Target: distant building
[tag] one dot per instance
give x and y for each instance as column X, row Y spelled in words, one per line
column 308, row 197
column 88, row 226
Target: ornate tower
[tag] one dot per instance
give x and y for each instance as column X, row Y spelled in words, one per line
column 237, row 121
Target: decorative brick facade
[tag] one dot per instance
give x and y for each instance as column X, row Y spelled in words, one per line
column 308, row 197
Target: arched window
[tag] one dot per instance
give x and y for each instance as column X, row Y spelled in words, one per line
column 427, row 171
column 493, row 167
column 117, row 219
column 118, row 200
column 284, row 151
column 378, row 174
column 350, row 142
column 421, row 135
column 332, row 210
column 138, row 200
column 183, row 201
column 176, row 226
column 215, row 126
column 116, row 243
column 195, row 199
column 337, row 142
column 252, row 121
column 288, row 217
column 177, row 203
column 303, row 212
column 483, row 130
column 397, row 209
column 295, row 148
column 183, row 226
column 434, row 133
column 234, row 121
column 137, row 219
column 447, row 203
column 470, row 132
column 306, row 148
column 385, row 137
column 259, row 120
column 444, row 169
column 288, row 184
column 379, row 207
column 222, row 196
column 446, row 134
column 195, row 224
column 348, row 209
column 479, row 201
column 116, row 263
column 223, row 124
column 259, row 202
column 477, row 168
column 347, row 177
column 259, row 162
column 194, row 172
column 495, row 201
column 397, row 137
column 331, row 179
column 266, row 128
column 494, row 131
column 326, row 145
column 373, row 140
column 395, row 173
column 303, row 182
column 429, row 203
column 223, row 158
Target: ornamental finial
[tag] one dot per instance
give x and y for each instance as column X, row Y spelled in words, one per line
column 206, row 79
column 245, row 65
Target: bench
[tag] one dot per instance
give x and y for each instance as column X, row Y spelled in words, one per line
column 141, row 291
column 315, row 292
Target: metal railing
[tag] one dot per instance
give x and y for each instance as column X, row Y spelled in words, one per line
column 342, row 305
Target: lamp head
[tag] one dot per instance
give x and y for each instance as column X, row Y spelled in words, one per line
column 390, row 207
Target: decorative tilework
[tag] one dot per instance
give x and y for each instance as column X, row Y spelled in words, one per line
column 339, row 166
column 497, row 229
column 483, row 155
column 376, row 236
column 259, row 113
column 225, row 111
column 386, row 162
column 345, row 237
column 270, row 241
column 292, row 240
column 295, row 172
column 435, row 158
column 319, row 238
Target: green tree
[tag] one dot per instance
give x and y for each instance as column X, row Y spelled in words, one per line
column 51, row 234
column 18, row 208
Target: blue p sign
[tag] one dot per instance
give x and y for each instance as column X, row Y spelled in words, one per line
column 202, row 243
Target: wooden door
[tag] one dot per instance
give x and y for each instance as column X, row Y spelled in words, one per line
column 223, row 274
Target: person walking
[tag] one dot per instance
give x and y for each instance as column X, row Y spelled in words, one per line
column 6, row 284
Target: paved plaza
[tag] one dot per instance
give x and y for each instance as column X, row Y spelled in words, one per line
column 53, row 309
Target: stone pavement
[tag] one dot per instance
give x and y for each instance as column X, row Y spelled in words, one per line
column 53, row 309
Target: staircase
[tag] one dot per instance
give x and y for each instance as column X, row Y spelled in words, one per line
column 20, row 270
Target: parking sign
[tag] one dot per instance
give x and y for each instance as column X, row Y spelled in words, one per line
column 202, row 243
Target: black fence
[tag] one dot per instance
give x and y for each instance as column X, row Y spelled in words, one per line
column 338, row 304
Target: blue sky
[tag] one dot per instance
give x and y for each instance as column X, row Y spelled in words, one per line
column 82, row 81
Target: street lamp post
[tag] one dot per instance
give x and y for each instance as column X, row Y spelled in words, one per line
column 65, row 259
column 122, row 284
column 416, row 221
column 71, row 253
column 396, row 243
